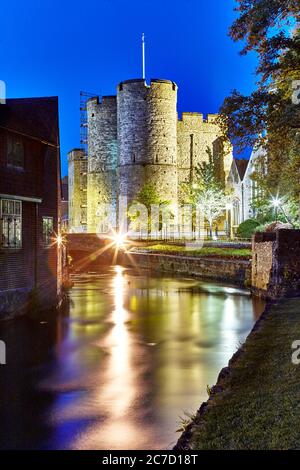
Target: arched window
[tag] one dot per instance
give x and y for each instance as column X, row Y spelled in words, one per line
column 236, row 212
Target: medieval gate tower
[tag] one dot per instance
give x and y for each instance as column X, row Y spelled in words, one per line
column 135, row 138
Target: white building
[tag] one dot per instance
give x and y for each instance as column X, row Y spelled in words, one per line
column 244, row 189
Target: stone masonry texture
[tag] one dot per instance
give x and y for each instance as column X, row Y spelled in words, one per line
column 135, row 138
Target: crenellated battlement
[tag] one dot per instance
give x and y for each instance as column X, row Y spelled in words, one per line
column 135, row 137
column 76, row 154
column 141, row 83
column 212, row 118
column 198, row 118
column 191, row 118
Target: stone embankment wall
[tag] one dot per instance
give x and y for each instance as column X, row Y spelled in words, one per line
column 276, row 264
column 235, row 271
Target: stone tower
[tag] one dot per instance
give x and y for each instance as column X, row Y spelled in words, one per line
column 77, row 180
column 102, row 156
column 147, row 137
column 135, row 138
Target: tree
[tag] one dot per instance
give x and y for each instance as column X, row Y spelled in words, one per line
column 206, row 192
column 270, row 116
column 265, row 211
column 140, row 209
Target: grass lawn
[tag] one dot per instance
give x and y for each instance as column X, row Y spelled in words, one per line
column 259, row 405
column 204, row 252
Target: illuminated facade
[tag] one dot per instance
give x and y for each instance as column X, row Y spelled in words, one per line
column 136, row 137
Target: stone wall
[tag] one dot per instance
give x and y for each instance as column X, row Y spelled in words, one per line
column 235, row 271
column 196, row 140
column 77, row 179
column 102, row 133
column 262, row 262
column 102, row 157
column 135, row 138
column 101, row 194
column 147, row 136
column 276, row 264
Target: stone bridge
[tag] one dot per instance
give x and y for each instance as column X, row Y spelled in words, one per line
column 89, row 252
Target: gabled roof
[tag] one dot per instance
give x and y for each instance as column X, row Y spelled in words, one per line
column 241, row 165
column 34, row 117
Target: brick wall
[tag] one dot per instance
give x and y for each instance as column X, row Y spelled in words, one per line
column 33, row 265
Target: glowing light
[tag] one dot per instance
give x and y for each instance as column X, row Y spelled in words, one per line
column 275, row 202
column 58, row 239
column 119, row 239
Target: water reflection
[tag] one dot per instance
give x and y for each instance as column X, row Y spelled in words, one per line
column 134, row 352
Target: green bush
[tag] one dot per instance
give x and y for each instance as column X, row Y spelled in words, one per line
column 248, row 228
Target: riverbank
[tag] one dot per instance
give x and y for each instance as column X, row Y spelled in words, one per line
column 220, row 252
column 256, row 401
column 232, row 270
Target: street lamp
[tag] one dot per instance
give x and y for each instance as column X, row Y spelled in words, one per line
column 276, row 203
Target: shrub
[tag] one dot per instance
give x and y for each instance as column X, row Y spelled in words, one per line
column 248, row 228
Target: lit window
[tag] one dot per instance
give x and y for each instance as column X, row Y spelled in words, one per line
column 47, row 230
column 15, row 151
column 11, row 223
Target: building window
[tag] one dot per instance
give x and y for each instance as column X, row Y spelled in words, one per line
column 47, row 230
column 236, row 213
column 11, row 223
column 15, row 151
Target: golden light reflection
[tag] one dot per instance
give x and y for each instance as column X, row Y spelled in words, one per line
column 117, row 390
column 229, row 323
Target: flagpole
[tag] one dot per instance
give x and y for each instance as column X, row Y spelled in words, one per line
column 143, row 54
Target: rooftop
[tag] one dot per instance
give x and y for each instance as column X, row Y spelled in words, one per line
column 241, row 164
column 34, row 117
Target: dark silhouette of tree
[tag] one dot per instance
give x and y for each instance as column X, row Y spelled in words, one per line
column 270, row 116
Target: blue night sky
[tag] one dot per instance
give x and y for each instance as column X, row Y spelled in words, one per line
column 60, row 47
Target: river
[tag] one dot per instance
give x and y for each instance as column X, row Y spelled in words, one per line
column 133, row 353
